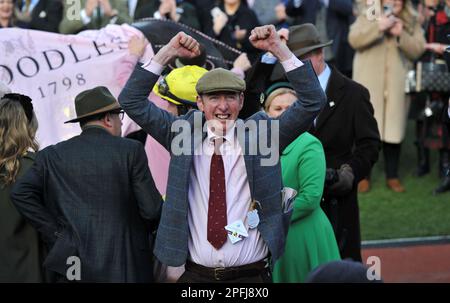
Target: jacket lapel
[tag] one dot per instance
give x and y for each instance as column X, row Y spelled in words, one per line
column 244, row 142
column 334, row 94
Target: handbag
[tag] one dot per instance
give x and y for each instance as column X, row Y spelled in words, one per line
column 428, row 77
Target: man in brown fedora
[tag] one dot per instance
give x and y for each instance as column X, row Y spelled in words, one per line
column 349, row 135
column 93, row 199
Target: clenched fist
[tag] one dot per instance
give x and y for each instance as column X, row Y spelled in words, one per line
column 181, row 45
column 267, row 39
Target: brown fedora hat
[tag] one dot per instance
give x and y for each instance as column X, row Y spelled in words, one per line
column 305, row 38
column 93, row 102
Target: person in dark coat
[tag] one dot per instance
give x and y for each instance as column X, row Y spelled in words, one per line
column 333, row 18
column 93, row 197
column 233, row 21
column 43, row 15
column 203, row 8
column 348, row 131
column 177, row 11
column 346, row 128
column 20, row 246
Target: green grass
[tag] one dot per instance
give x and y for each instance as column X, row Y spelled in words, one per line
column 415, row 213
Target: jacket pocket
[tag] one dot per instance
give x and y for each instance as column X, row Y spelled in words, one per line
column 63, row 248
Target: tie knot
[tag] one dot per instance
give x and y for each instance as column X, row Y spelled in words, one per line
column 217, row 144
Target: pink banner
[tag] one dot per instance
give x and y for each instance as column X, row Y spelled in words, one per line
column 52, row 69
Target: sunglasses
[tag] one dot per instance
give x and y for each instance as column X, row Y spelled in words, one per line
column 25, row 101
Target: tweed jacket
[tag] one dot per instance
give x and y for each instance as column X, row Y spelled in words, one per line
column 265, row 182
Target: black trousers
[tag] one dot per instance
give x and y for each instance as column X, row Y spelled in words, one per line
column 391, row 154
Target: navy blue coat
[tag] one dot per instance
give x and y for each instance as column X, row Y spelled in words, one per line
column 93, row 197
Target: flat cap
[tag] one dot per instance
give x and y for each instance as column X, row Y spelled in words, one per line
column 219, row 79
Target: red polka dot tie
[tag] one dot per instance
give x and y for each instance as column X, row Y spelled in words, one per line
column 217, row 206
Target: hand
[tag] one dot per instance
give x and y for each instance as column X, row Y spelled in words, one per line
column 107, row 9
column 165, row 7
column 136, row 46
column 239, row 34
column 267, row 39
column 90, row 6
column 242, row 62
column 280, row 12
column 437, row 48
column 345, row 183
column 284, row 35
column 429, row 13
column 397, row 29
column 181, row 45
column 385, row 22
column 219, row 22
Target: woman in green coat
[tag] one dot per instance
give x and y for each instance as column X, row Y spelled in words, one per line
column 310, row 240
column 20, row 248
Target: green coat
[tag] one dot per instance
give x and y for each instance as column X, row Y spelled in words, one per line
column 310, row 240
column 73, row 24
column 20, row 250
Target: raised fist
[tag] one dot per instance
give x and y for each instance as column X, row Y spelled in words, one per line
column 181, row 45
column 185, row 46
column 265, row 37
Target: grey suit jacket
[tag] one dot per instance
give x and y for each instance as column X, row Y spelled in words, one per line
column 265, row 182
column 93, row 197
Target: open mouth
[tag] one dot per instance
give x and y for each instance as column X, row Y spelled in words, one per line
column 222, row 116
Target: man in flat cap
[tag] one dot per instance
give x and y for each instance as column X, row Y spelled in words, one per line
column 223, row 215
column 93, row 199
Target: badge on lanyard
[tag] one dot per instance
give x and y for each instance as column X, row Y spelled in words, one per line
column 252, row 215
column 253, row 219
column 236, row 231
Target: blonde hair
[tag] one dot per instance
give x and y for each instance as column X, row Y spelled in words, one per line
column 17, row 136
column 276, row 93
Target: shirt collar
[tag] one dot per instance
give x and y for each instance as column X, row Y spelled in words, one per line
column 229, row 135
column 324, row 77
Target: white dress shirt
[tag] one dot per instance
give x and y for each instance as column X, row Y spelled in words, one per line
column 238, row 197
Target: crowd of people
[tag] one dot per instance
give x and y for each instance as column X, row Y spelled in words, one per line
column 324, row 77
